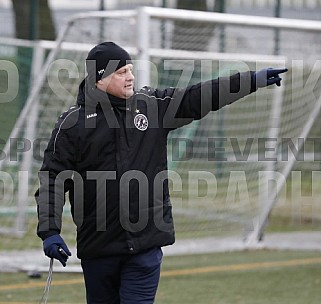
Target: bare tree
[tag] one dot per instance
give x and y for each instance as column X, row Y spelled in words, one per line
column 33, row 20
column 193, row 36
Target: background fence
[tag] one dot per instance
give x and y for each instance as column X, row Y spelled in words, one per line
column 61, row 10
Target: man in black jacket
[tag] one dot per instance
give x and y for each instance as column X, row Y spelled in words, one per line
column 109, row 152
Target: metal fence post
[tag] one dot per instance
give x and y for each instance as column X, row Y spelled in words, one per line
column 33, row 30
column 277, row 14
column 143, row 57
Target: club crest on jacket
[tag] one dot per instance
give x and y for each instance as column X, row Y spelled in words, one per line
column 141, row 122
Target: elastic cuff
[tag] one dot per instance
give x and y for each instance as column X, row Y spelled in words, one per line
column 45, row 234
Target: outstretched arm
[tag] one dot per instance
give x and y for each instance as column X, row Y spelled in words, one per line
column 195, row 101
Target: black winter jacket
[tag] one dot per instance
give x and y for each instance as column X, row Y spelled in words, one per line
column 110, row 154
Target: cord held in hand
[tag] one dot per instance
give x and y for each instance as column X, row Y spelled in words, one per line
column 55, row 247
column 267, row 77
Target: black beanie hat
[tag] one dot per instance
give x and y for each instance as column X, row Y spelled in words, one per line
column 104, row 59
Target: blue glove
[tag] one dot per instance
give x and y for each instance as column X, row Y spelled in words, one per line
column 55, row 247
column 266, row 77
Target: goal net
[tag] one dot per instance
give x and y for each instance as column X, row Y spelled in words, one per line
column 227, row 170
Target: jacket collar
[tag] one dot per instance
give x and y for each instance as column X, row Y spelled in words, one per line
column 90, row 96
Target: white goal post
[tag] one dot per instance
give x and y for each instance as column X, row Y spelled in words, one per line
column 150, row 35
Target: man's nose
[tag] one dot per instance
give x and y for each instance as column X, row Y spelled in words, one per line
column 130, row 76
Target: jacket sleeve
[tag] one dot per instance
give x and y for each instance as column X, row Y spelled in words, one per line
column 55, row 177
column 195, row 101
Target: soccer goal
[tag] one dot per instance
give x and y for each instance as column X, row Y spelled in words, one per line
column 226, row 171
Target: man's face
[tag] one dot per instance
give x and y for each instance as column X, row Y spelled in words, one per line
column 120, row 83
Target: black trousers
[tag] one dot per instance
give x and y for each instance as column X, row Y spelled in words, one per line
column 130, row 279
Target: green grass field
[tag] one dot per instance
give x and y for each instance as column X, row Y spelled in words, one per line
column 248, row 277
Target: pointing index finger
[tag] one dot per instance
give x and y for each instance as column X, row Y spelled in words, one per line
column 274, row 72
